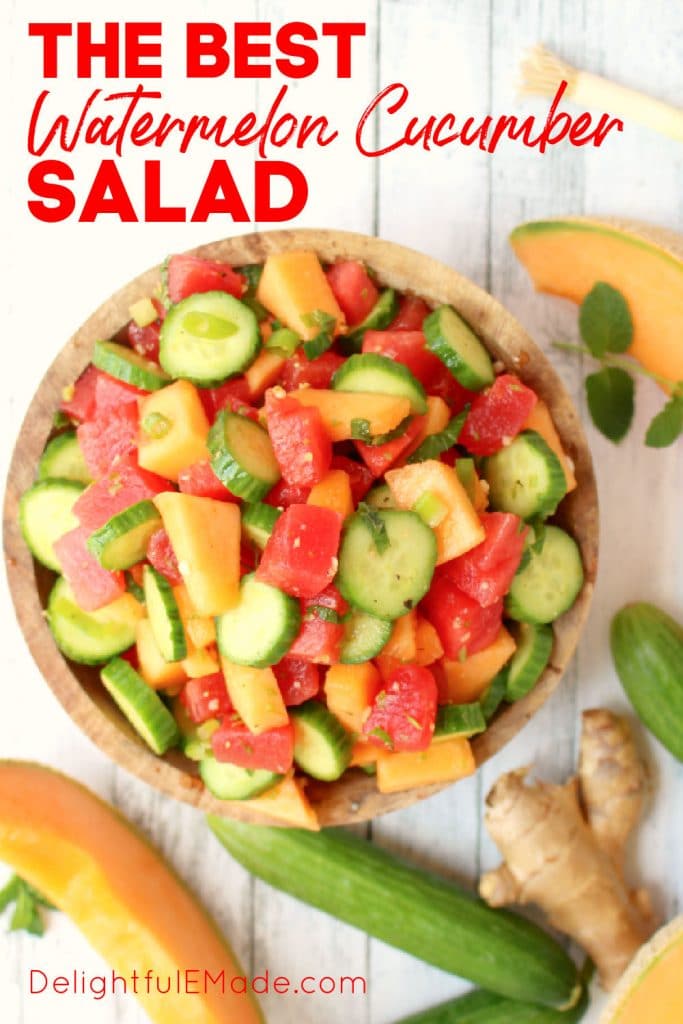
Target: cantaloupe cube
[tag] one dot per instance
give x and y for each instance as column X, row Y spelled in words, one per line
column 464, row 681
column 151, row 665
column 333, row 491
column 541, row 421
column 173, row 430
column 256, row 696
column 200, row 630
column 292, row 286
column 339, row 408
column 441, row 762
column 428, row 647
column 201, row 661
column 287, row 802
column 363, row 753
column 263, row 372
column 402, row 642
column 205, row 536
column 460, row 529
column 350, row 691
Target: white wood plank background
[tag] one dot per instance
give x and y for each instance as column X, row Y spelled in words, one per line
column 455, row 204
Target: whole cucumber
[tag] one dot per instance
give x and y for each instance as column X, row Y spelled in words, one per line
column 432, row 919
column 481, row 1007
column 647, row 647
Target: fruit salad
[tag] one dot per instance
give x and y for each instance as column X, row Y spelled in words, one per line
column 300, row 521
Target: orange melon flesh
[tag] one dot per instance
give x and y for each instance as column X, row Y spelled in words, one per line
column 256, row 696
column 567, row 257
column 651, row 990
column 293, row 285
column 428, row 647
column 287, row 802
column 441, row 762
column 263, row 372
column 130, row 906
column 402, row 644
column 177, row 409
column 463, row 681
column 153, row 668
column 333, row 491
column 339, row 408
column 350, row 691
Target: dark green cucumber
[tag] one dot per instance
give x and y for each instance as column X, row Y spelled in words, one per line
column 129, row 366
column 261, row 627
column 63, row 459
column 364, row 637
column 386, row 580
column 89, row 638
column 534, row 647
column 242, row 456
column 142, row 706
column 432, row 919
column 459, row 720
column 258, row 522
column 123, row 539
column 481, row 1007
column 459, row 349
column 494, row 694
column 526, row 477
column 379, row 317
column 45, row 515
column 230, row 782
column 208, row 337
column 549, row 582
column 322, row 746
column 371, row 373
column 164, row 615
column 647, row 647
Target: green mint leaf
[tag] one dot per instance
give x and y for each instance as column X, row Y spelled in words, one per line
column 316, row 346
column 320, row 319
column 667, row 426
column 435, row 444
column 360, row 431
column 252, row 272
column 41, row 900
column 10, row 892
column 605, row 320
column 26, row 917
column 384, row 736
column 610, row 401
column 319, row 611
column 375, row 524
column 60, row 420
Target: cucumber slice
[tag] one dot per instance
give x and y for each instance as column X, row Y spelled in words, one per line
column 91, row 638
column 549, row 582
column 260, row 629
column 123, row 539
column 258, row 522
column 459, row 720
column 390, row 582
column 208, row 337
column 196, row 741
column 364, row 637
column 45, row 515
column 494, row 694
column 63, row 459
column 164, row 615
column 242, row 456
column 380, row 496
column 322, row 746
column 372, row 373
column 230, row 782
column 144, row 709
column 134, row 588
column 379, row 317
column 129, row 366
column 459, row 349
column 526, row 477
column 534, row 647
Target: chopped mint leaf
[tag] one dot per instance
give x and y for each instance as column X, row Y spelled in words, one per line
column 375, row 524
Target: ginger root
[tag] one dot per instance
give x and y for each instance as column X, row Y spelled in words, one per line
column 567, row 858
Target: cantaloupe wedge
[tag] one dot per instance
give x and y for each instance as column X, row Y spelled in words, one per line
column 363, row 753
column 350, row 691
column 651, row 990
column 333, row 491
column 339, row 408
column 205, row 536
column 173, row 430
column 255, row 695
column 292, row 286
column 541, row 421
column 200, row 630
column 263, row 372
column 461, row 528
column 286, row 802
column 463, row 681
column 151, row 664
column 128, row 903
column 402, row 644
column 201, row 661
column 441, row 762
column 568, row 256
column 428, row 647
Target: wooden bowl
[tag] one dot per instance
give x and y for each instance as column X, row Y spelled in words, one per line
column 354, row 798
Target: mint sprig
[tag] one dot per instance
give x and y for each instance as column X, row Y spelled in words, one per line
column 27, row 902
column 606, row 329
column 375, row 524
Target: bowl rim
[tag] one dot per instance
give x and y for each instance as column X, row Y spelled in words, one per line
column 353, row 798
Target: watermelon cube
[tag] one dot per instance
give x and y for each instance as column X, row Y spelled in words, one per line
column 110, row 437
column 124, row 485
column 93, row 586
